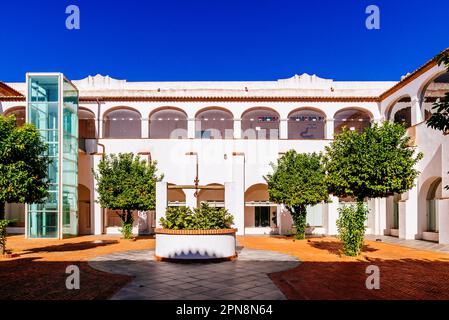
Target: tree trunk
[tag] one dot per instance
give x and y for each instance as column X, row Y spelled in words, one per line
column 299, row 214
column 2, row 210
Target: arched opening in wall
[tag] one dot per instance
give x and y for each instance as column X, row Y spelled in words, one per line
column 433, row 92
column 86, row 124
column 306, row 123
column 84, row 213
column 176, row 197
column 214, row 123
column 433, row 194
column 401, row 112
column 168, row 123
column 19, row 113
column 260, row 123
column 353, row 119
column 260, row 213
column 215, row 198
column 122, row 123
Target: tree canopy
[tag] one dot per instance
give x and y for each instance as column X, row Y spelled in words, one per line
column 23, row 164
column 440, row 118
column 298, row 181
column 126, row 182
column 375, row 163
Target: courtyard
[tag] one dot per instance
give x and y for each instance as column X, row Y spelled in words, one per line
column 271, row 268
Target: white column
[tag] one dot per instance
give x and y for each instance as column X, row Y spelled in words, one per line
column 237, row 189
column 191, row 200
column 191, row 128
column 97, row 210
column 99, row 127
column 380, row 216
column 283, row 129
column 332, row 216
column 408, row 215
column 161, row 201
column 416, row 111
column 443, row 220
column 145, row 128
column 237, row 129
column 329, row 129
column 279, row 218
column 234, row 203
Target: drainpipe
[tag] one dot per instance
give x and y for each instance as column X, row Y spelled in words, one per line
column 197, row 180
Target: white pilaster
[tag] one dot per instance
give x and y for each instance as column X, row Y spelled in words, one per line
column 332, row 216
column 329, row 129
column 97, row 210
column 191, row 200
column 145, row 128
column 283, row 129
column 191, row 128
column 408, row 215
column 380, row 216
column 417, row 116
column 237, row 129
column 443, row 220
column 161, row 201
column 235, row 194
column 279, row 218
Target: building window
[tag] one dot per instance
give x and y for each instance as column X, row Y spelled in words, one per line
column 432, row 207
column 86, row 120
column 122, row 123
column 168, row 124
column 214, row 124
column 262, row 216
column 352, row 119
column 260, row 124
column 306, row 124
column 404, row 116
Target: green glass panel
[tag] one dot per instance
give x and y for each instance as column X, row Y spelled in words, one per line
column 43, row 224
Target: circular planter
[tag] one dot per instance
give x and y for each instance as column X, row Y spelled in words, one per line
column 185, row 245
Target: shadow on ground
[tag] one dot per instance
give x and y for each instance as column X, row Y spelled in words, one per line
column 399, row 280
column 335, row 247
column 32, row 279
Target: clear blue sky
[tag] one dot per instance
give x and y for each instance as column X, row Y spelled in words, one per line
column 220, row 39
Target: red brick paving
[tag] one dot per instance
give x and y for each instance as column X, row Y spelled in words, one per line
column 39, row 272
column 323, row 274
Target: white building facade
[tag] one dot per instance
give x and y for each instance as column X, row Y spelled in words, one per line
column 226, row 134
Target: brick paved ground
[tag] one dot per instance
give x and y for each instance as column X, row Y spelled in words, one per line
column 39, row 271
column 405, row 273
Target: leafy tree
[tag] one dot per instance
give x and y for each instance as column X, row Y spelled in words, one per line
column 298, row 181
column 440, row 118
column 203, row 218
column 374, row 164
column 126, row 183
column 23, row 164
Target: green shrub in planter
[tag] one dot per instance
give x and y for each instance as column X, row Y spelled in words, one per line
column 203, row 218
column 351, row 228
column 177, row 218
